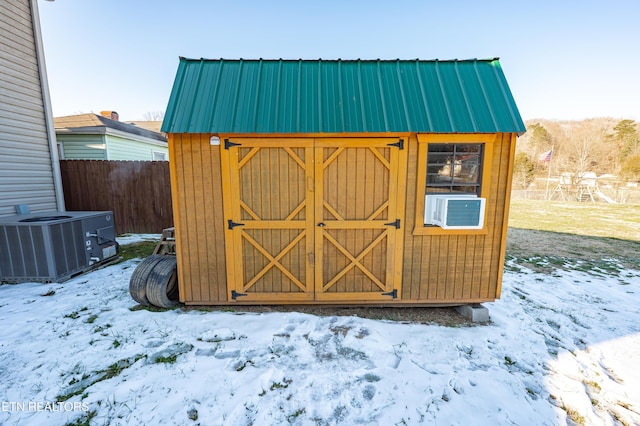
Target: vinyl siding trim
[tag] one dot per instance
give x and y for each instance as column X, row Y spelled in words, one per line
column 48, row 111
column 29, row 165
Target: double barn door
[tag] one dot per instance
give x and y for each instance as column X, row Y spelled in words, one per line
column 312, row 219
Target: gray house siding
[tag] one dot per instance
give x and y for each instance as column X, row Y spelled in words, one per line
column 28, row 166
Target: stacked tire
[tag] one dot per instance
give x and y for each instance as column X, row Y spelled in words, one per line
column 155, row 282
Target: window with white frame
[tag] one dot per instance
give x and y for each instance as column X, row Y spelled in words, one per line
column 159, row 156
column 453, row 183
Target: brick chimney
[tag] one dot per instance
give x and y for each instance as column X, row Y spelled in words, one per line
column 110, row 114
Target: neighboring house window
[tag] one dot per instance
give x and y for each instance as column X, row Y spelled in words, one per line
column 159, row 156
column 452, row 166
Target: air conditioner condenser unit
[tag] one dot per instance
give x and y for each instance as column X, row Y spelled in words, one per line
column 52, row 247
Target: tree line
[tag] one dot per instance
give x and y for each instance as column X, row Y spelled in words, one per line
column 603, row 146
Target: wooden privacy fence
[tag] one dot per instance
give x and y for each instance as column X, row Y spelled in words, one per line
column 138, row 192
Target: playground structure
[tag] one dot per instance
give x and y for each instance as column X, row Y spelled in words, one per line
column 579, row 187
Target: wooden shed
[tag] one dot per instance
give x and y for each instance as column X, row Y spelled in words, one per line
column 380, row 182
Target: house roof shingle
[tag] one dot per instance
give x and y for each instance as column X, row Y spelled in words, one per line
column 93, row 123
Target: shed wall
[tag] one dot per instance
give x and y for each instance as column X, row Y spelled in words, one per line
column 196, row 188
column 459, row 267
column 26, row 173
column 436, row 269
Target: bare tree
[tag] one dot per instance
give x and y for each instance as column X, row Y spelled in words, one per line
column 583, row 150
column 154, row 115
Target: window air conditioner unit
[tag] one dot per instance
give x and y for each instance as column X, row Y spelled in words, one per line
column 455, row 211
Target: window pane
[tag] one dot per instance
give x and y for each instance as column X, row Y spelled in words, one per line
column 454, row 168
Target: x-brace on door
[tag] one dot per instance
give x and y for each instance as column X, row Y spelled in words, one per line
column 312, row 219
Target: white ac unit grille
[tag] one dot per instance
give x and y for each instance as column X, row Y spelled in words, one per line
column 455, row 211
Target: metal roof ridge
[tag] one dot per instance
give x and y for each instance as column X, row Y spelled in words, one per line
column 202, row 59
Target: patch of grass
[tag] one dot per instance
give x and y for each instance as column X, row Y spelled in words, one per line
column 549, row 264
column 575, row 416
column 91, row 319
column 84, row 420
column 49, row 293
column 292, row 417
column 508, row 361
column 137, row 250
column 101, row 328
column 116, row 344
column 624, row 405
column 171, row 359
column 602, row 266
column 115, row 369
column 618, row 221
column 242, row 365
column 593, row 386
column 68, row 395
column 149, row 308
column 371, row 378
column 594, row 233
column 79, row 387
column 278, row 385
column 73, row 315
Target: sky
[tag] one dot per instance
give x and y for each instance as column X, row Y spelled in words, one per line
column 567, row 60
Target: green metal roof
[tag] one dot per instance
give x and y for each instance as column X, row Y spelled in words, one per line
column 340, row 96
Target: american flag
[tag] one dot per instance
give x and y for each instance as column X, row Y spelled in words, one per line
column 545, row 157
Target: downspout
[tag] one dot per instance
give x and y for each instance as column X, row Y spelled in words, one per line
column 46, row 102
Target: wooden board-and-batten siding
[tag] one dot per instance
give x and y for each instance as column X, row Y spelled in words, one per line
column 425, row 269
column 462, row 265
column 26, row 169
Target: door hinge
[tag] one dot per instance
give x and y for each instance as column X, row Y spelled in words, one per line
column 233, row 224
column 399, row 144
column 395, row 224
column 228, row 144
column 393, row 294
column 235, row 294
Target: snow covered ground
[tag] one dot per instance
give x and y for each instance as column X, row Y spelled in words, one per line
column 561, row 347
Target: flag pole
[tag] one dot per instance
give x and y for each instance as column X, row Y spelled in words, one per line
column 549, row 174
